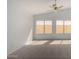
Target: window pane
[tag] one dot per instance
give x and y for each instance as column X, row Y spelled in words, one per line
column 48, row 27
column 59, row 26
column 39, row 27
column 67, row 27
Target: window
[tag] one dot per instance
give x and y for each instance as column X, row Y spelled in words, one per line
column 43, row 27
column 48, row 27
column 67, row 27
column 59, row 26
column 63, row 26
column 39, row 27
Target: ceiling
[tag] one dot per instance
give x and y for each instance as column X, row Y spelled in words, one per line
column 40, row 6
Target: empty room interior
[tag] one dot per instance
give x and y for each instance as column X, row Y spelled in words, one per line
column 39, row 29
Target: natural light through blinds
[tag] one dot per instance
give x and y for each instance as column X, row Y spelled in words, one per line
column 48, row 27
column 39, row 27
column 45, row 27
column 59, row 26
column 67, row 27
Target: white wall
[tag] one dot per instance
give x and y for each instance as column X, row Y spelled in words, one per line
column 19, row 23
